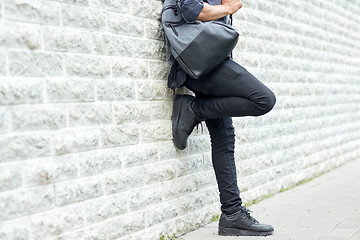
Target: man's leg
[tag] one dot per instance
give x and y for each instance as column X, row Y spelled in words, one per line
column 222, row 149
column 234, row 93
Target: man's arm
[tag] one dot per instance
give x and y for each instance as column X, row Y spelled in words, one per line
column 214, row 12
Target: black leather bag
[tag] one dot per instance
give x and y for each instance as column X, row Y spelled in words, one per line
column 197, row 46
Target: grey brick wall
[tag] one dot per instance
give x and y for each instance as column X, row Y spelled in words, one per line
column 85, row 130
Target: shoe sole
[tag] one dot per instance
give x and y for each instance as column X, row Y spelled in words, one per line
column 239, row 232
column 175, row 120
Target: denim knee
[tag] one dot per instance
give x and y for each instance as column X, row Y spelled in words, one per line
column 267, row 102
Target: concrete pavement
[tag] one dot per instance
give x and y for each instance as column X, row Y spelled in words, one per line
column 326, row 208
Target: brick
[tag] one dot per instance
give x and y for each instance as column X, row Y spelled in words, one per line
column 4, row 120
column 25, row 202
column 159, row 70
column 10, row 176
column 83, row 18
column 101, row 209
column 130, row 68
column 178, row 187
column 125, row 24
column 149, row 49
column 70, row 90
column 13, row 91
column 162, row 212
column 46, row 12
column 146, row 8
column 140, row 155
column 78, row 190
column 161, row 110
column 14, row 35
column 66, row 40
column 191, row 165
column 199, row 144
column 124, row 179
column 127, row 112
column 115, row 90
column 126, row 224
column 23, row 146
column 142, row 197
column 160, row 172
column 153, row 30
column 38, row 117
column 113, row 45
column 55, row 222
column 98, row 162
column 121, row 135
column 153, row 90
column 156, row 131
column 87, row 66
column 49, row 170
column 12, row 230
column 74, row 140
column 167, row 150
column 90, row 114
column 34, row 64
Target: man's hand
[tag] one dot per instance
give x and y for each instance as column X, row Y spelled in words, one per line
column 232, row 5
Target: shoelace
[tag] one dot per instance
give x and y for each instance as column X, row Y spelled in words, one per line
column 247, row 213
column 197, row 128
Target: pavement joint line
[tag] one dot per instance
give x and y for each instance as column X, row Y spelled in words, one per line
column 352, row 234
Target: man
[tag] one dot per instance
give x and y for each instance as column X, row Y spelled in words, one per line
column 227, row 91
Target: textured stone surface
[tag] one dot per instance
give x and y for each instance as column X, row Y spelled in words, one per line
column 10, row 176
column 46, row 12
column 66, row 40
column 77, row 190
column 38, row 117
column 153, row 90
column 49, row 170
column 86, row 147
column 90, row 114
column 132, row 111
column 24, row 202
column 104, row 208
column 17, row 229
column 113, row 45
column 83, row 18
column 124, row 179
column 16, row 35
column 66, row 141
column 4, row 120
column 30, row 64
column 87, row 66
column 56, row 222
column 70, row 90
column 97, row 162
column 23, row 146
column 115, row 90
column 130, row 68
column 125, row 24
column 121, row 135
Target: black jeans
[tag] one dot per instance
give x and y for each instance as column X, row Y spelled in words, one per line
column 228, row 91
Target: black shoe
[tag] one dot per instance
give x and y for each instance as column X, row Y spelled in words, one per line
column 242, row 224
column 183, row 119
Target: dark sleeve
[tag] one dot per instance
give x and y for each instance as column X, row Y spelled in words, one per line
column 191, row 9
